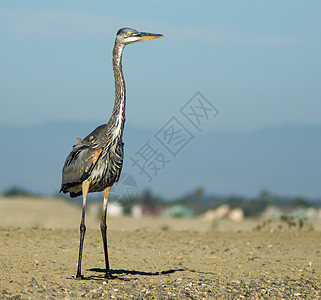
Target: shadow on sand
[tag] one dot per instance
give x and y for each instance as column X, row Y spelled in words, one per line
column 119, row 272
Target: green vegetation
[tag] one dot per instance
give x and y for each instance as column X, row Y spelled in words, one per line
column 152, row 203
column 16, row 191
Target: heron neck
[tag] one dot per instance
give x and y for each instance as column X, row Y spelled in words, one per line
column 118, row 114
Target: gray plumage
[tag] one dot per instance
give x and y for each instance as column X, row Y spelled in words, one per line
column 97, row 158
column 95, row 162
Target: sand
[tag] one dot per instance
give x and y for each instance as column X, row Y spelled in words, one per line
column 153, row 258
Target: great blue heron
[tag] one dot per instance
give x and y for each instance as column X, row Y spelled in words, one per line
column 95, row 162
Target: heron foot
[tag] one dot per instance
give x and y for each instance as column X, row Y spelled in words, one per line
column 79, row 276
column 109, row 276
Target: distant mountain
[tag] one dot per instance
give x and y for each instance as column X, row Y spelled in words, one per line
column 286, row 160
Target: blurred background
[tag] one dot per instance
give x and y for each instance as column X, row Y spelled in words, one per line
column 237, row 82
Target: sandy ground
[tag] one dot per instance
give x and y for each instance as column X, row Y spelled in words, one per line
column 153, row 258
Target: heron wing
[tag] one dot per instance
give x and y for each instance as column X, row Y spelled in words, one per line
column 79, row 164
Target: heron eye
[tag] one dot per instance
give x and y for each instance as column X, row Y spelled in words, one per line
column 127, row 33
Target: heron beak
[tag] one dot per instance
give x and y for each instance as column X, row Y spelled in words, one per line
column 144, row 36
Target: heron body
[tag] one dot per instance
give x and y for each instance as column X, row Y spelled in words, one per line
column 97, row 158
column 95, row 162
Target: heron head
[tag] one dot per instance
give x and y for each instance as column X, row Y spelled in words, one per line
column 128, row 36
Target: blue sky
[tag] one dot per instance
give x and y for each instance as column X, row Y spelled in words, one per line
column 257, row 61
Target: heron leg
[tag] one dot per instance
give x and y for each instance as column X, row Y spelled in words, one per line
column 103, row 228
column 85, row 188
